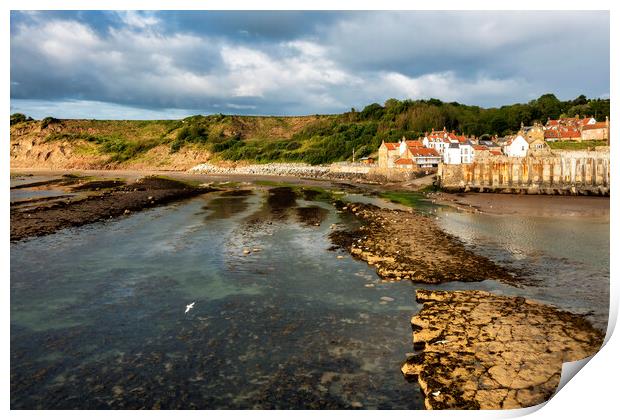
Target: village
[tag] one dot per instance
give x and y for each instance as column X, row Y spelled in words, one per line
column 450, row 148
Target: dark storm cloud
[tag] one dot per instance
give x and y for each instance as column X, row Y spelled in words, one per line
column 299, row 62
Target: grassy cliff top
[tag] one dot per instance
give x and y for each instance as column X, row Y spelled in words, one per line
column 313, row 139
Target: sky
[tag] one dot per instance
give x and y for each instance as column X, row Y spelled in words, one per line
column 172, row 64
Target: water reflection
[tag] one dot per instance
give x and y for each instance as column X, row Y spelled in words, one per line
column 565, row 260
column 97, row 320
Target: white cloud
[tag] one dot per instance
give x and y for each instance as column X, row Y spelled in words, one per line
column 470, row 57
column 448, row 87
column 138, row 19
column 62, row 42
column 301, row 70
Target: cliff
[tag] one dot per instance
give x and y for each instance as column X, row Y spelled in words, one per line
column 167, row 144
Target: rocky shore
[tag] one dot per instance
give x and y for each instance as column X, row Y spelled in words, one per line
column 406, row 245
column 482, row 351
column 96, row 200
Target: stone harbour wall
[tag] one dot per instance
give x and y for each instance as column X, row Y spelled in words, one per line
column 561, row 172
column 334, row 171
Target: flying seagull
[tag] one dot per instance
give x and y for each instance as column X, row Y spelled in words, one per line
column 189, row 307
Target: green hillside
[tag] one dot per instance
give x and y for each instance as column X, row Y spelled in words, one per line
column 312, row 139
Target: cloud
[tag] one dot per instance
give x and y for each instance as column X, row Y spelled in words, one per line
column 138, row 19
column 449, row 87
column 303, row 62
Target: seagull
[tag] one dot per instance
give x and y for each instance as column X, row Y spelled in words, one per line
column 436, row 393
column 189, row 307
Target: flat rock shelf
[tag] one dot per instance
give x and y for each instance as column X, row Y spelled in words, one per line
column 478, row 350
column 406, row 245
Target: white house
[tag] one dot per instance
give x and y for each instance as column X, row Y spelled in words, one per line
column 516, row 146
column 452, row 154
column 438, row 140
column 457, row 153
column 467, row 152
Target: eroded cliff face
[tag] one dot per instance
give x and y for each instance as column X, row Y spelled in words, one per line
column 33, row 147
column 29, row 149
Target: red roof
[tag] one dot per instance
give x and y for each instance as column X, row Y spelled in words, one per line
column 563, row 133
column 551, row 134
column 495, row 152
column 460, row 139
column 403, row 161
column 414, row 143
column 595, row 126
column 569, row 122
column 391, row 146
column 477, row 147
column 569, row 134
column 423, row 151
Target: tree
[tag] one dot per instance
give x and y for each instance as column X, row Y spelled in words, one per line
column 18, row 118
column 45, row 122
column 549, row 106
column 372, row 111
column 580, row 100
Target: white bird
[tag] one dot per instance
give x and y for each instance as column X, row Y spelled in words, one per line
column 436, row 394
column 189, row 307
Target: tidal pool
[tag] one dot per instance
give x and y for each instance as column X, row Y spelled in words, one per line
column 21, row 192
column 97, row 312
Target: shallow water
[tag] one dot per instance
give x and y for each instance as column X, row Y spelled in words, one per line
column 565, row 260
column 26, row 193
column 21, row 180
column 97, row 313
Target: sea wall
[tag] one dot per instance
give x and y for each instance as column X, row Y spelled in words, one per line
column 336, row 171
column 561, row 172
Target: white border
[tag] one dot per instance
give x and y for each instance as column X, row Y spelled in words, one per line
column 591, row 395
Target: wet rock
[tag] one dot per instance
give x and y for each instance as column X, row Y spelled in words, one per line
column 485, row 351
column 396, row 241
column 117, row 200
